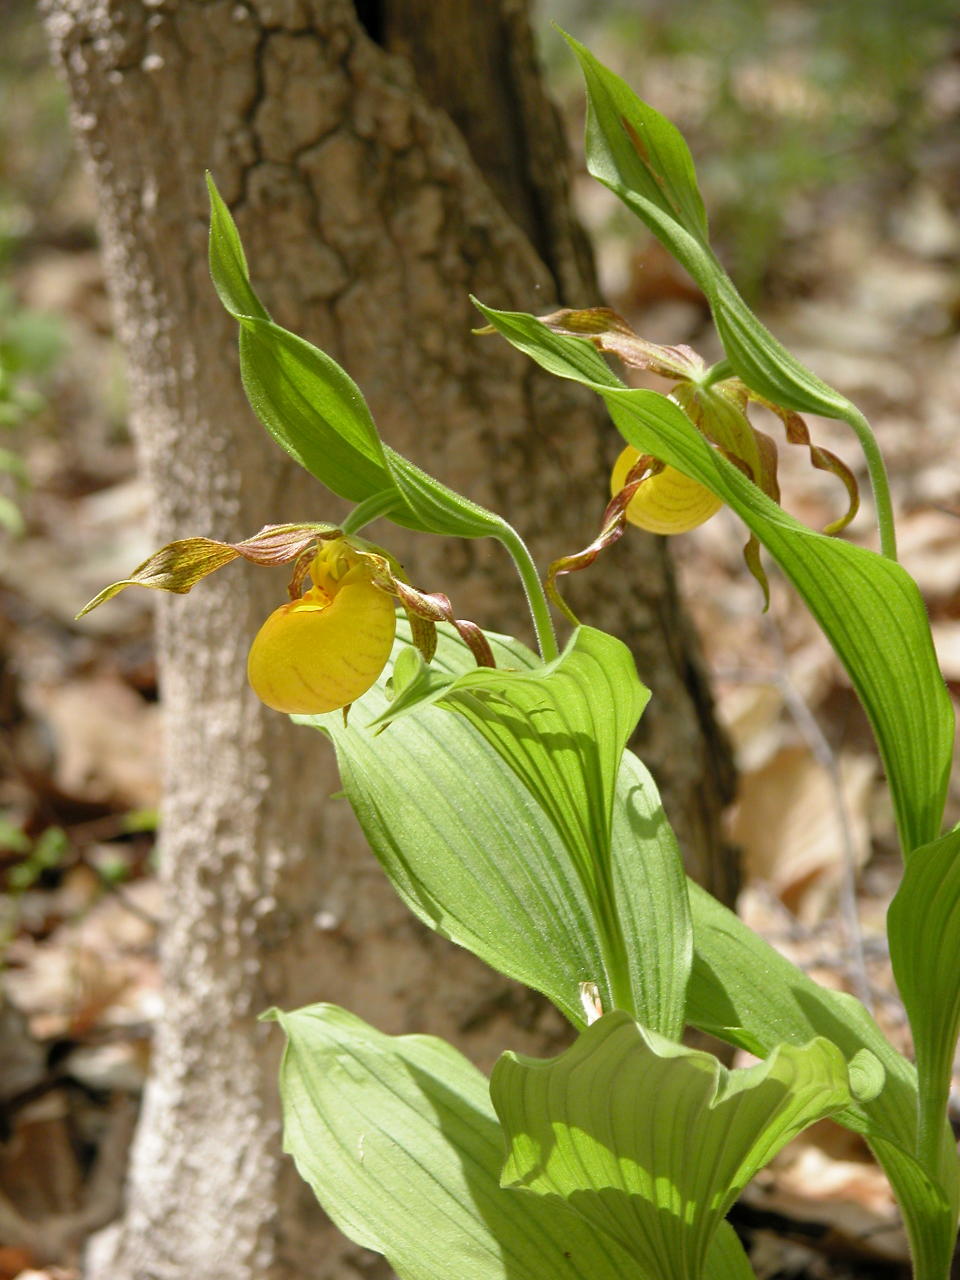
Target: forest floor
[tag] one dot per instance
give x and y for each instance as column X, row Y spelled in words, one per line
column 865, row 288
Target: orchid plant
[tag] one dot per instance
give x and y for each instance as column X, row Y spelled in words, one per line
column 555, row 862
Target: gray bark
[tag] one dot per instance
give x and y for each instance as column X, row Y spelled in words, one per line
column 368, row 216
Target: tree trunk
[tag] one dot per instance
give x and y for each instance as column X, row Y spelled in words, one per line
column 383, row 161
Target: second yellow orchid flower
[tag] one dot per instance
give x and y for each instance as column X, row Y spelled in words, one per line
column 667, row 501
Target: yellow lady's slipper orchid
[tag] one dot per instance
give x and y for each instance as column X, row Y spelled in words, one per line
column 323, row 651
column 667, row 501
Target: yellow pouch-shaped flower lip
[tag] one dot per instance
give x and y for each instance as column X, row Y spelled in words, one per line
column 325, row 650
column 667, row 502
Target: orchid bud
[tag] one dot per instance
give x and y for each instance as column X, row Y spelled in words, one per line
column 666, row 501
column 326, row 649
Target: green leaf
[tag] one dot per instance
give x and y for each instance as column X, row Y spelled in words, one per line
column 868, row 607
column 643, row 159
column 461, row 833
column 316, row 412
column 438, row 509
column 726, row 1257
column 923, row 926
column 575, row 358
column 305, row 400
column 650, row 1141
column 399, row 1141
column 561, row 728
column 228, row 262
column 312, row 409
column 413, row 683
column 641, row 156
column 743, row 991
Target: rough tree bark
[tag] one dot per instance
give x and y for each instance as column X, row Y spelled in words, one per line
column 383, row 160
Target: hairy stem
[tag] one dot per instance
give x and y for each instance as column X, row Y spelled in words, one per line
column 533, row 589
column 379, row 504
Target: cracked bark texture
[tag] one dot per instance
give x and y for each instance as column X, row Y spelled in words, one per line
column 383, row 160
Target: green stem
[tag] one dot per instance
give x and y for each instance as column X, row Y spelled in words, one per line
column 878, row 480
column 871, row 452
column 533, row 588
column 933, row 1113
column 717, row 373
column 370, row 509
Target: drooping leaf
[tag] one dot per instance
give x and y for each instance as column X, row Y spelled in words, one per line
column 743, row 991
column 923, row 926
column 474, row 854
column 650, row 1141
column 868, row 607
column 398, row 1139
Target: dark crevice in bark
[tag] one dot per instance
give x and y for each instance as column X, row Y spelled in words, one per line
column 462, row 62
column 371, row 18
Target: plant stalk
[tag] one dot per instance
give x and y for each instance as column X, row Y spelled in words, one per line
column 378, row 504
column 878, row 480
column 533, row 589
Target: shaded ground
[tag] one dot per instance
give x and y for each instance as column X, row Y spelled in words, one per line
column 865, row 283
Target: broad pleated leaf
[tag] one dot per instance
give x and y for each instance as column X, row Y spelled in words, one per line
column 726, row 1256
column 743, row 991
column 398, row 1139
column 470, row 849
column 651, row 1141
column 868, row 607
column 924, row 930
column 643, row 159
column 561, row 729
column 317, row 413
